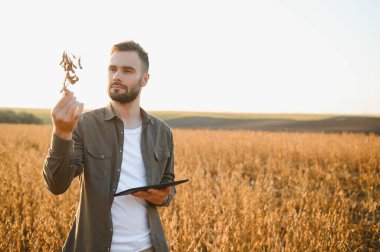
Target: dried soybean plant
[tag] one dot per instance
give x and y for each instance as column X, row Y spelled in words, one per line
column 69, row 65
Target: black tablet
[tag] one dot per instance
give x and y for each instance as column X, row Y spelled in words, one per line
column 144, row 188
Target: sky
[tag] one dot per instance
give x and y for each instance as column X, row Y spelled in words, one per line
column 268, row 56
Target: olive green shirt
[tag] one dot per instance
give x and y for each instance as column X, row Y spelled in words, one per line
column 95, row 156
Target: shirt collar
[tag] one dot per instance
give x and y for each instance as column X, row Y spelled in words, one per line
column 109, row 114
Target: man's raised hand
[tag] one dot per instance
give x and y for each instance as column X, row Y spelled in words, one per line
column 65, row 115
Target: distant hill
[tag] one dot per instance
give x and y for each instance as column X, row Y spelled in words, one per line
column 9, row 116
column 43, row 114
column 333, row 124
column 253, row 121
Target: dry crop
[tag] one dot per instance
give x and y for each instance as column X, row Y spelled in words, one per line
column 68, row 64
column 249, row 191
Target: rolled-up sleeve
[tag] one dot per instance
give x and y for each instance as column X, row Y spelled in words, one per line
column 169, row 173
column 62, row 163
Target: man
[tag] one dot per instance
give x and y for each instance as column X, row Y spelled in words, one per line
column 113, row 149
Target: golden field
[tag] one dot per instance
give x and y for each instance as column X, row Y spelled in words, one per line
column 249, row 191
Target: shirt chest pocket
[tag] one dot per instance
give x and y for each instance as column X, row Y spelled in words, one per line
column 161, row 159
column 98, row 162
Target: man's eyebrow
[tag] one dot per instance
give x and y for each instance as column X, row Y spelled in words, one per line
column 129, row 68
column 124, row 67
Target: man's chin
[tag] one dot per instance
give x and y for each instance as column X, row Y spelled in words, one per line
column 117, row 93
column 121, row 99
column 117, row 98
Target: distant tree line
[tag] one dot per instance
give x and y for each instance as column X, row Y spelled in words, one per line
column 9, row 116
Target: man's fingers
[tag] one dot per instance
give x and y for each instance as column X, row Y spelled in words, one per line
column 62, row 102
column 67, row 110
column 81, row 107
column 145, row 194
column 165, row 190
column 78, row 111
column 65, row 115
column 153, row 191
column 153, row 195
column 141, row 194
column 159, row 192
column 70, row 114
column 63, row 106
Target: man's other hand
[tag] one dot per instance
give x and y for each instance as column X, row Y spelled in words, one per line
column 155, row 196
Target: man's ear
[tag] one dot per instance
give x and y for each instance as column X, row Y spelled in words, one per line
column 145, row 79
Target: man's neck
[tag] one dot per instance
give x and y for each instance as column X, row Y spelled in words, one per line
column 129, row 113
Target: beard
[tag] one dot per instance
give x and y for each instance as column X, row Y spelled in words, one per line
column 125, row 95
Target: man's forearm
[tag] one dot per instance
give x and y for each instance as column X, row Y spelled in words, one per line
column 58, row 168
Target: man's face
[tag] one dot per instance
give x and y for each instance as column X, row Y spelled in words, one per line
column 125, row 76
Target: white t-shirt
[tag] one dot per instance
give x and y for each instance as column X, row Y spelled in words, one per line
column 129, row 214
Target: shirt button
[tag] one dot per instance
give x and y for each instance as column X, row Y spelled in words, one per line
column 121, row 132
column 102, row 156
column 121, row 150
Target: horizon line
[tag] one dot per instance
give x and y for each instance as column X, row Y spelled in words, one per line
column 219, row 112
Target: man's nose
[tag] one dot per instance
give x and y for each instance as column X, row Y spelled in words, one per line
column 116, row 76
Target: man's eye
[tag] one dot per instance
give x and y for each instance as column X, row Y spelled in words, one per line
column 111, row 69
column 127, row 70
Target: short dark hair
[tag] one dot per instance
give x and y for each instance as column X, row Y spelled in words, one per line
column 130, row 45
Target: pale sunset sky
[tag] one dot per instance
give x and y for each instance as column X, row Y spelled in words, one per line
column 218, row 56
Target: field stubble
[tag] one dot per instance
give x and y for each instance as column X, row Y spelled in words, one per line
column 249, row 191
